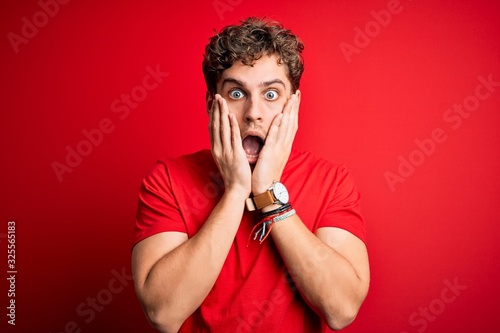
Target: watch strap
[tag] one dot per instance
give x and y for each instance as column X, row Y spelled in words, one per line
column 250, row 204
column 264, row 199
column 260, row 201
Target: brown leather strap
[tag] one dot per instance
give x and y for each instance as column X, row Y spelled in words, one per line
column 250, row 204
column 264, row 199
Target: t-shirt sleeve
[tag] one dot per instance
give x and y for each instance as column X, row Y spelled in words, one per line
column 343, row 209
column 157, row 209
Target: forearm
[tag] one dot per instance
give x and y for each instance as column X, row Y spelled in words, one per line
column 179, row 282
column 326, row 280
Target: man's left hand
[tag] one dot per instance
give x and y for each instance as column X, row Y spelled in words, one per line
column 276, row 151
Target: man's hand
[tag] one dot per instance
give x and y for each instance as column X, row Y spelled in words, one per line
column 276, row 151
column 227, row 148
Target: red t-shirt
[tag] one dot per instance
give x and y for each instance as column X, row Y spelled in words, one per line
column 254, row 291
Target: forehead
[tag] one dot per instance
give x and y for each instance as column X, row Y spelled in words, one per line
column 266, row 69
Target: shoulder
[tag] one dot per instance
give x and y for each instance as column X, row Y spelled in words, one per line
column 198, row 158
column 333, row 177
column 324, row 192
column 201, row 158
column 310, row 162
column 160, row 174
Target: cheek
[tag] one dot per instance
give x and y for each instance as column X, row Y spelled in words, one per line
column 238, row 110
column 275, row 108
column 235, row 108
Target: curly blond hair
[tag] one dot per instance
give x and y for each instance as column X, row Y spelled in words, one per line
column 248, row 42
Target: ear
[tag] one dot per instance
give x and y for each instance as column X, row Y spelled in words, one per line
column 209, row 100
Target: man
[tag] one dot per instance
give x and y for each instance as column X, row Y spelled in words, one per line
column 252, row 236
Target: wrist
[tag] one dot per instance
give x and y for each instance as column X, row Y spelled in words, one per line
column 259, row 189
column 262, row 185
column 273, row 197
column 266, row 225
column 239, row 193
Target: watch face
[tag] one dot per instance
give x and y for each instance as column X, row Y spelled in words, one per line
column 280, row 192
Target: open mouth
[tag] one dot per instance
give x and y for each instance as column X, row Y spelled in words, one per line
column 252, row 145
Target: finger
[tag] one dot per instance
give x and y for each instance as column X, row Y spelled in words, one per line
column 273, row 133
column 214, row 122
column 210, row 121
column 225, row 128
column 288, row 111
column 293, row 122
column 289, row 104
column 235, row 133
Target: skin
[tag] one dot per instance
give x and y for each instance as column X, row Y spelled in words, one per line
column 173, row 274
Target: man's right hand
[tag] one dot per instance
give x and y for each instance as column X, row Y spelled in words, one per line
column 174, row 273
column 227, row 149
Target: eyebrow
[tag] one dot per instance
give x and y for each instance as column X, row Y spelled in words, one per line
column 262, row 84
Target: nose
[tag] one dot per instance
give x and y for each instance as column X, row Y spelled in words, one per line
column 253, row 111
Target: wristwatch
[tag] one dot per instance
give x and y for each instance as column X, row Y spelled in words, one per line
column 276, row 194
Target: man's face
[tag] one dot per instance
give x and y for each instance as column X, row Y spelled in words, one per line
column 255, row 95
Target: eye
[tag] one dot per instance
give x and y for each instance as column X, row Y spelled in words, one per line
column 271, row 95
column 236, row 94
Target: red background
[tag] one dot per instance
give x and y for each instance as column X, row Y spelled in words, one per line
column 440, row 224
